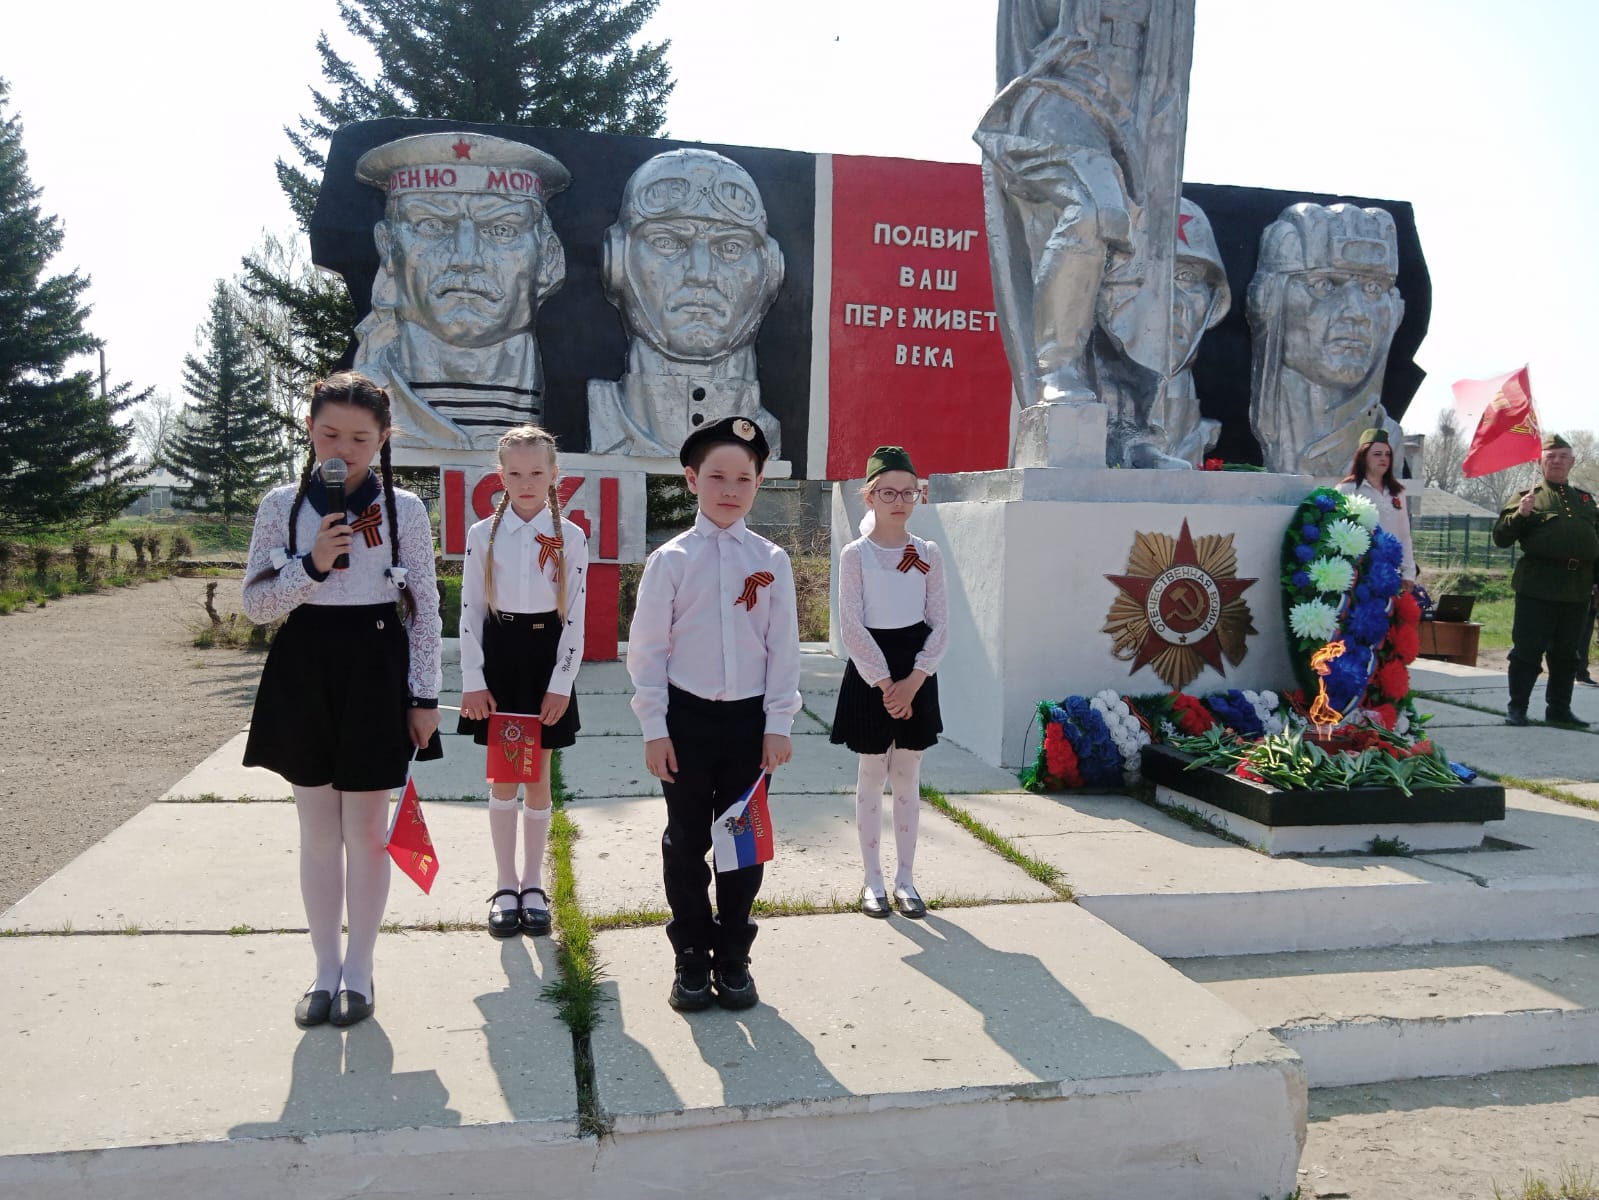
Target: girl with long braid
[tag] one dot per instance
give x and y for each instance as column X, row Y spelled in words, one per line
column 522, row 607
column 350, row 689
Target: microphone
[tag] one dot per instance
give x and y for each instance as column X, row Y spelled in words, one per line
column 334, row 472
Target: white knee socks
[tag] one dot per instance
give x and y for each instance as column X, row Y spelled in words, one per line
column 366, row 882
column 322, row 879
column 502, row 831
column 869, row 780
column 535, row 832
column 905, row 780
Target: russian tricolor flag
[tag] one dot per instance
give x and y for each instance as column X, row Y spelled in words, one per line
column 742, row 836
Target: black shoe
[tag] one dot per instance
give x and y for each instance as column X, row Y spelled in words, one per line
column 691, row 990
column 313, row 1009
column 734, row 987
column 908, row 904
column 505, row 922
column 535, row 920
column 1516, row 715
column 1587, row 681
column 351, row 1007
column 874, row 904
column 1565, row 717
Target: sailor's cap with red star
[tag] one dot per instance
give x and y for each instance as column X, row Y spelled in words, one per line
column 462, row 162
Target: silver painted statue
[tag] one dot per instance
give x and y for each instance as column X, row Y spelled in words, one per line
column 466, row 256
column 1082, row 168
column 1322, row 313
column 1200, row 299
column 692, row 268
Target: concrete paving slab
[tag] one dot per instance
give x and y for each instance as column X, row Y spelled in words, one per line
column 155, row 1039
column 1019, row 814
column 1537, row 752
column 1450, row 716
column 215, row 867
column 1588, row 791
column 611, row 767
column 1410, row 1012
column 902, row 1026
column 1435, row 675
column 1546, row 840
column 618, row 866
column 459, row 774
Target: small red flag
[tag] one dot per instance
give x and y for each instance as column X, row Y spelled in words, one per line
column 1507, row 432
column 515, row 740
column 409, row 844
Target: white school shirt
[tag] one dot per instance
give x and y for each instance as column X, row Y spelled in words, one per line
column 522, row 586
column 1395, row 520
column 873, row 593
column 691, row 631
column 367, row 581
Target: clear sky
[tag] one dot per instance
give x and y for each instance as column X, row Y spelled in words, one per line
column 153, row 128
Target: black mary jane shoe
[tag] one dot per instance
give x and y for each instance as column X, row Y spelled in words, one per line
column 350, row 1007
column 874, row 904
column 535, row 920
column 314, row 1008
column 505, row 922
column 909, row 904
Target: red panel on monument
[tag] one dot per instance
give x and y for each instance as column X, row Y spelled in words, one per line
column 916, row 356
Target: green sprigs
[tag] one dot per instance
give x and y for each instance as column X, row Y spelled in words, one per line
column 1050, row 876
column 1289, row 762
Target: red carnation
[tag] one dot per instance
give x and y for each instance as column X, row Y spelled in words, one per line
column 1244, row 771
column 1406, row 610
column 1060, row 757
column 1387, row 714
column 1393, row 679
column 1423, row 747
column 1214, row 464
column 1405, row 642
column 1192, row 716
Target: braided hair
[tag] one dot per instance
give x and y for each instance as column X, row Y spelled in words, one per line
column 527, row 435
column 357, row 391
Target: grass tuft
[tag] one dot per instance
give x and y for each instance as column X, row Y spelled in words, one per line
column 1572, row 1183
column 1538, row 788
column 1389, row 847
column 1051, row 877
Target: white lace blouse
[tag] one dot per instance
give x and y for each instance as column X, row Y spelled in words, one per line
column 857, row 604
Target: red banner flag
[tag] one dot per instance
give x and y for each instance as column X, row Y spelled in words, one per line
column 515, row 740
column 1506, row 422
column 408, row 843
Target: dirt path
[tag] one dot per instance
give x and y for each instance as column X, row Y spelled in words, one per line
column 104, row 704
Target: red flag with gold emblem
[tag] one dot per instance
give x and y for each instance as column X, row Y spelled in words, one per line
column 1506, row 422
column 409, row 844
column 515, row 740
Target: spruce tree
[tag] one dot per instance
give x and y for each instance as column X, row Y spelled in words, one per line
column 56, row 432
column 564, row 63
column 227, row 446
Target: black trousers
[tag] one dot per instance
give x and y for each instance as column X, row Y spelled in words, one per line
column 718, row 746
column 1549, row 629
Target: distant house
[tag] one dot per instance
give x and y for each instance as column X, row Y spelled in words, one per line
column 163, row 484
column 1435, row 502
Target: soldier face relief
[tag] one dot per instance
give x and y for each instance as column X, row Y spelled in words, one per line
column 1192, row 289
column 696, row 279
column 1336, row 325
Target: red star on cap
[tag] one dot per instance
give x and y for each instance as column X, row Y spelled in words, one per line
column 1182, row 226
column 462, row 148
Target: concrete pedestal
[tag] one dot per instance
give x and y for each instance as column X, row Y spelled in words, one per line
column 1028, row 551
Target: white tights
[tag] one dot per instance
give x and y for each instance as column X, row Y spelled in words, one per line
column 343, row 866
column 902, row 769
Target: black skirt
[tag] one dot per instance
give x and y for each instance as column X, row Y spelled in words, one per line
column 334, row 704
column 518, row 659
column 863, row 724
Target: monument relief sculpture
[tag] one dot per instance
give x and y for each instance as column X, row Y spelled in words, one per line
column 1200, row 299
column 693, row 270
column 466, row 256
column 1082, row 163
column 1322, row 313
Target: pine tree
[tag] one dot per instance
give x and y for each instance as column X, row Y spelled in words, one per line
column 56, row 433
column 227, row 446
column 565, row 63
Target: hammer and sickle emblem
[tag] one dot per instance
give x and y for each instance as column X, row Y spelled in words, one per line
column 1191, row 603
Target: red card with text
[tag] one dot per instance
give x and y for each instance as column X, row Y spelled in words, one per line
column 409, row 844
column 515, row 740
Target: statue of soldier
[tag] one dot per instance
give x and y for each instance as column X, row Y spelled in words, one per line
column 691, row 266
column 1200, row 299
column 1082, row 152
column 1323, row 309
column 466, row 256
column 1556, row 524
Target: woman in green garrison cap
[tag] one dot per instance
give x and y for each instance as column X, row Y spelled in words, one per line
column 894, row 613
column 1372, row 476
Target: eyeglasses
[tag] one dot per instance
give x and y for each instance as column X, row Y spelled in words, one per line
column 892, row 496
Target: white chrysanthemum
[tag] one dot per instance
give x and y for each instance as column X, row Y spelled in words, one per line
column 1313, row 619
column 1349, row 539
column 1335, row 575
column 1271, row 700
column 1362, row 511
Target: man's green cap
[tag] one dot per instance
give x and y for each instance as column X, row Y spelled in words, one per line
column 888, row 458
column 1555, row 442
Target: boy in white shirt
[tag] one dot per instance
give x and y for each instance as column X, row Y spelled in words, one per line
column 714, row 655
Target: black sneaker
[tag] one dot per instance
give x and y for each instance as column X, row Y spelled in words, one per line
column 691, row 990
column 1588, row 681
column 734, row 986
column 1515, row 715
column 1566, row 718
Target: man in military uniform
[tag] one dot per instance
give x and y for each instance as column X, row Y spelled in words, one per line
column 1557, row 527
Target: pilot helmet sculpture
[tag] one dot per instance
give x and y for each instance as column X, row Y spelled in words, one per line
column 466, row 256
column 1322, row 310
column 693, row 269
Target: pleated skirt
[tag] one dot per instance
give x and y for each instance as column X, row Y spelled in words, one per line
column 863, row 724
column 519, row 652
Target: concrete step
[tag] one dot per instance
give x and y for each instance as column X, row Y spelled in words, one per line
column 1371, row 1016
